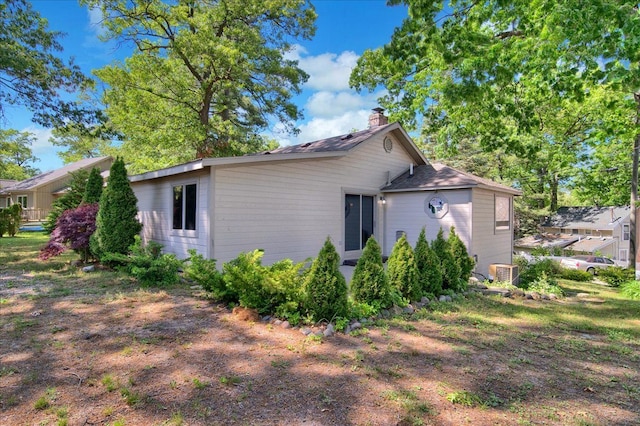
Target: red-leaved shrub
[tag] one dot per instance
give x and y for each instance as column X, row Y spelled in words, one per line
column 73, row 229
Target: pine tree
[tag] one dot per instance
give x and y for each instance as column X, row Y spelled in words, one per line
column 428, row 265
column 450, row 270
column 69, row 200
column 369, row 283
column 93, row 189
column 462, row 258
column 326, row 287
column 402, row 270
column 116, row 224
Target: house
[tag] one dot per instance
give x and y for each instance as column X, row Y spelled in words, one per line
column 585, row 230
column 38, row 192
column 348, row 187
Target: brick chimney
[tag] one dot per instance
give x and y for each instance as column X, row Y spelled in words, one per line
column 377, row 118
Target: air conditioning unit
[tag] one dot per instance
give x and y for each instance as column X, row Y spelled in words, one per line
column 504, row 272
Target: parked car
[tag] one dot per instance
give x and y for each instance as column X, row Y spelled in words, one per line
column 587, row 263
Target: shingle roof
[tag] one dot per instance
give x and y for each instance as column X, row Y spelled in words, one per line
column 7, row 182
column 439, row 176
column 335, row 143
column 588, row 217
column 47, row 177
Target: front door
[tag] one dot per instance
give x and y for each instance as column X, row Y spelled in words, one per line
column 358, row 222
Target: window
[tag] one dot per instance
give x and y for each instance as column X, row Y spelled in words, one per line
column 587, row 232
column 22, row 200
column 626, row 232
column 184, row 207
column 503, row 212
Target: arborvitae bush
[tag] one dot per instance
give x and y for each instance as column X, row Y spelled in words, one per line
column 116, row 224
column 10, row 219
column 450, row 270
column 402, row 270
column 69, row 200
column 369, row 283
column 326, row 287
column 428, row 264
column 93, row 189
column 462, row 258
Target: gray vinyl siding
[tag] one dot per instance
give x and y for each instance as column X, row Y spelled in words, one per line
column 288, row 209
column 155, row 205
column 490, row 245
column 406, row 212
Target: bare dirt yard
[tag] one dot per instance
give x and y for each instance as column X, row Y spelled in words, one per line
column 94, row 348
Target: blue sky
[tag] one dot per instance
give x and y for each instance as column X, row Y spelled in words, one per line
column 345, row 29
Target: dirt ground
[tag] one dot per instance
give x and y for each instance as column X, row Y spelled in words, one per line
column 78, row 354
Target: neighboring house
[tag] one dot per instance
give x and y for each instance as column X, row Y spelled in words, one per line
column 37, row 193
column 4, row 183
column 585, row 230
column 349, row 187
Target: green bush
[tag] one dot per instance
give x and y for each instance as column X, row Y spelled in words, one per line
column 325, row 286
column 534, row 270
column 631, row 289
column 402, row 270
column 545, row 284
column 204, row 272
column 10, row 219
column 575, row 275
column 451, row 273
column 148, row 264
column 369, row 283
column 461, row 256
column 93, row 188
column 616, row 275
column 428, row 265
column 116, row 224
column 268, row 289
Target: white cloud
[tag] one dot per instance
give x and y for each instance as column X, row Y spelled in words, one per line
column 328, row 71
column 95, row 21
column 332, row 104
column 43, row 150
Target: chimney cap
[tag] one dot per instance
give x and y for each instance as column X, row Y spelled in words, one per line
column 378, row 110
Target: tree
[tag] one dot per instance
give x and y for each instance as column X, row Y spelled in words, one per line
column 428, row 265
column 93, row 189
column 206, row 75
column 402, row 270
column 116, row 224
column 16, row 154
column 74, row 229
column 31, row 75
column 369, row 282
column 326, row 287
column 514, row 76
column 10, row 220
column 69, row 200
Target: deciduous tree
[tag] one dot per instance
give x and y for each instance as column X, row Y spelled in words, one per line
column 206, row 76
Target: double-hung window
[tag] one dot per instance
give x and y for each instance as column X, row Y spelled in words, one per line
column 184, row 207
column 22, row 200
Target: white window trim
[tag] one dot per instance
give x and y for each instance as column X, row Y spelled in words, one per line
column 184, row 232
column 19, row 199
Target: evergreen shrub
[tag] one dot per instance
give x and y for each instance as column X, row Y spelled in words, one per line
column 428, row 264
column 205, row 272
column 69, row 200
column 93, row 188
column 616, row 275
column 402, row 270
column 369, row 283
column 326, row 287
column 451, row 273
column 10, row 219
column 117, row 224
column 462, row 258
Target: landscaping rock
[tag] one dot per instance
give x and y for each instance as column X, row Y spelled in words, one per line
column 425, row 301
column 306, row 331
column 553, row 297
column 285, row 324
column 409, row 309
column 89, row 268
column 329, row 331
column 517, row 293
column 355, row 325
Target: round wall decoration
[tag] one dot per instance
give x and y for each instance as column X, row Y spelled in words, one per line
column 436, row 206
column 387, row 144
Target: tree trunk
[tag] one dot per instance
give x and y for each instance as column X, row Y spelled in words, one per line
column 634, row 190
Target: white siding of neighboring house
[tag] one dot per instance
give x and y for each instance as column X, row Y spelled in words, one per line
column 405, row 211
column 490, row 245
column 155, row 203
column 289, row 208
